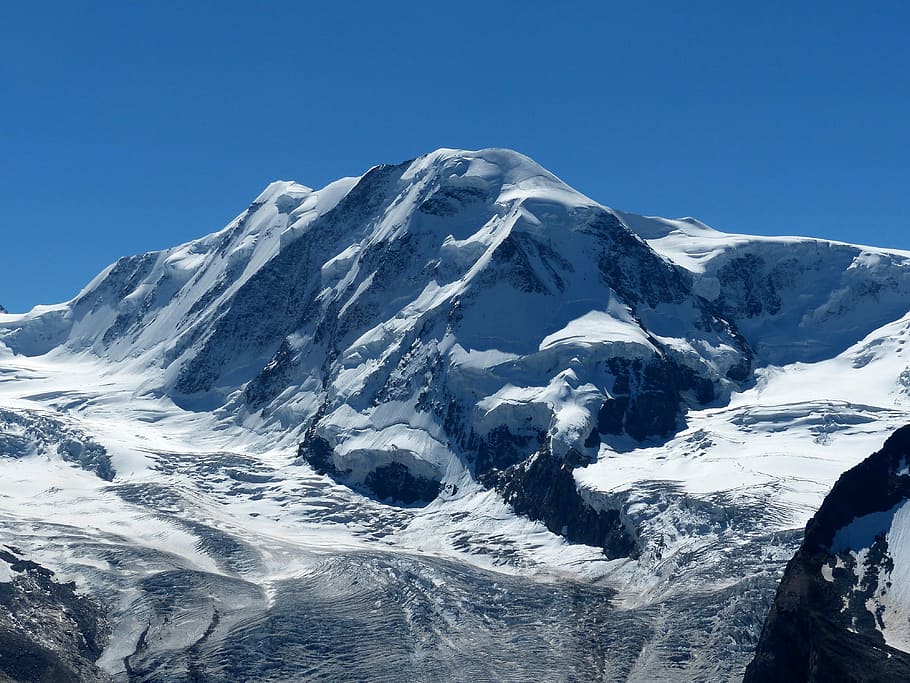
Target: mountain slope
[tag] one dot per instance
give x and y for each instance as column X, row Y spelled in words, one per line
column 795, row 299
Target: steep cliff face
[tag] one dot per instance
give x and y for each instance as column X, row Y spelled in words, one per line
column 842, row 610
column 47, row 631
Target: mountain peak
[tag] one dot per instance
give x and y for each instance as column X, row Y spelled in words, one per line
column 277, row 188
column 520, row 173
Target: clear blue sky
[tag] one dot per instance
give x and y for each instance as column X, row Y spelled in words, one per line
column 128, row 126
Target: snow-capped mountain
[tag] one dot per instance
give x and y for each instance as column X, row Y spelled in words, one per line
column 459, row 357
column 842, row 611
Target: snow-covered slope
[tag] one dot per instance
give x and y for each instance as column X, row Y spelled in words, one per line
column 793, row 298
column 462, row 357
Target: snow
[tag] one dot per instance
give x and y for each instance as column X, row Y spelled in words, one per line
column 364, row 452
column 897, row 600
column 599, row 327
column 862, row 531
column 479, row 360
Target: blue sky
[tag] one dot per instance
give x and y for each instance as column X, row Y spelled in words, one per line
column 129, row 126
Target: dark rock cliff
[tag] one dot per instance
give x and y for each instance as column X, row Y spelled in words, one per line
column 820, row 628
column 47, row 632
column 544, row 489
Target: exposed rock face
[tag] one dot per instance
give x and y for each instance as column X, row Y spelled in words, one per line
column 391, row 483
column 394, row 482
column 840, row 614
column 647, row 397
column 543, row 488
column 47, row 632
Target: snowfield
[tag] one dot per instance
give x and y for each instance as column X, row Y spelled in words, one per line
column 435, row 326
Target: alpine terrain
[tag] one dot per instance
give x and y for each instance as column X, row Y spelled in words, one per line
column 842, row 612
column 447, row 420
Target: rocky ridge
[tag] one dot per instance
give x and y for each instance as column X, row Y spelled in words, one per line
column 840, row 611
column 47, row 631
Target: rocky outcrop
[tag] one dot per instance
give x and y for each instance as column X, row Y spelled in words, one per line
column 647, row 397
column 395, row 482
column 47, row 631
column 544, row 489
column 830, row 619
column 392, row 483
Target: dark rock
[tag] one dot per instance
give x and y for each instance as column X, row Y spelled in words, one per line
column 821, row 630
column 501, row 449
column 395, row 482
column 512, row 259
column 647, row 397
column 872, row 486
column 544, row 489
column 746, row 290
column 318, row 453
column 449, row 201
column 651, row 281
column 47, row 632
